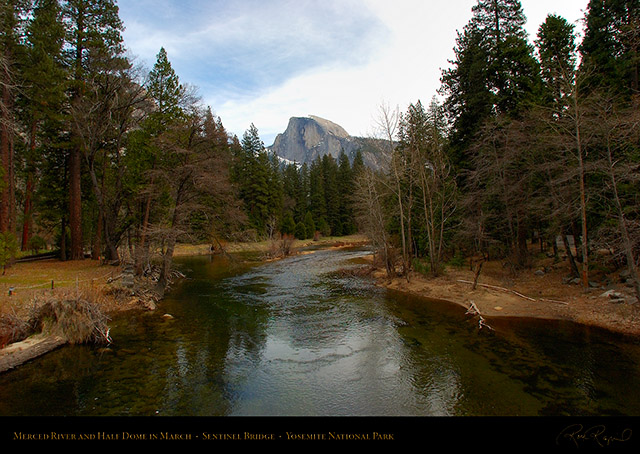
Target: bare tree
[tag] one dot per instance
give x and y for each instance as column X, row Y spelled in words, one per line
column 618, row 133
column 423, row 136
column 112, row 105
column 193, row 176
column 387, row 124
column 371, row 216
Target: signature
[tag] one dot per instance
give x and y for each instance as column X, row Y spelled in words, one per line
column 578, row 434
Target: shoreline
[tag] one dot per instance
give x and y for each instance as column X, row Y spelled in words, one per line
column 527, row 295
column 101, row 283
column 498, row 295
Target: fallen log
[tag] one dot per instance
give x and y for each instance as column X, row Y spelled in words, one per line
column 502, row 289
column 19, row 353
column 473, row 310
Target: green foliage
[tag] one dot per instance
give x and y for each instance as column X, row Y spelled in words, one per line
column 37, row 243
column 288, row 226
column 300, row 231
column 310, row 225
column 8, row 249
column 609, row 48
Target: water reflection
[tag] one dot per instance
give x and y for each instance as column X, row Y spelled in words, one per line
column 294, row 337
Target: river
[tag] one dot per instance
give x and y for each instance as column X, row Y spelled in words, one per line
column 297, row 337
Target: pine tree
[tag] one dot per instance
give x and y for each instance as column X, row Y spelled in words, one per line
column 11, row 31
column 346, row 187
column 610, row 48
column 288, row 225
column 556, row 45
column 94, row 41
column 300, row 231
column 494, row 72
column 310, row 225
column 468, row 96
column 317, row 201
column 258, row 175
column 165, row 88
column 43, row 92
column 357, row 167
column 331, row 194
column 167, row 95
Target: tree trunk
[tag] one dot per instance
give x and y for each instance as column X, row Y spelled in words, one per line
column 583, row 201
column 572, row 261
column 75, row 204
column 28, row 192
column 6, row 160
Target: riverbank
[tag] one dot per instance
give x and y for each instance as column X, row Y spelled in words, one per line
column 543, row 292
column 266, row 246
column 27, row 285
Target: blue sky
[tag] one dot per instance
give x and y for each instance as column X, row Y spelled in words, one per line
column 264, row 61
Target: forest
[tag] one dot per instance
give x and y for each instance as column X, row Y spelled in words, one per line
column 534, row 147
column 104, row 159
column 526, row 142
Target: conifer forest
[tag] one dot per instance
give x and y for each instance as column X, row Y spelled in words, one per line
column 529, row 140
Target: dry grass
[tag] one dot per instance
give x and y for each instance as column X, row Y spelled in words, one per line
column 24, row 282
column 267, row 245
column 76, row 319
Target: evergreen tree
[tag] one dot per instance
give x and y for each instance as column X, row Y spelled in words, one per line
column 331, row 194
column 310, row 225
column 357, row 167
column 345, row 182
column 317, row 201
column 557, row 54
column 165, row 88
column 300, row 231
column 468, row 97
column 494, row 72
column 260, row 184
column 610, row 48
column 94, row 40
column 288, row 226
column 43, row 93
column 11, row 33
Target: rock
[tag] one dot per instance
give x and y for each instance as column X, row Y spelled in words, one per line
column 612, row 294
column 168, row 317
column 309, row 138
column 576, row 281
column 539, row 273
column 128, row 279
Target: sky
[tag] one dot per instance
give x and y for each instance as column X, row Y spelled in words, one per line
column 262, row 62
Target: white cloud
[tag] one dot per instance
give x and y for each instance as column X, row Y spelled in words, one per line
column 264, row 62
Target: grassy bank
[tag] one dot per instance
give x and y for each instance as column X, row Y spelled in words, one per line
column 266, row 246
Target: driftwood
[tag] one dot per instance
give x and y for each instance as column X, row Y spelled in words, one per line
column 473, row 310
column 21, row 352
column 502, row 289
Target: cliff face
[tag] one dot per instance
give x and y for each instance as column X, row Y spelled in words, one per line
column 309, row 138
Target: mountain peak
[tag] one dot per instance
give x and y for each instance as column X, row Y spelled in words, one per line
column 330, row 126
column 309, row 138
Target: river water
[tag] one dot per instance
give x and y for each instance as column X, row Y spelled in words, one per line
column 297, row 337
